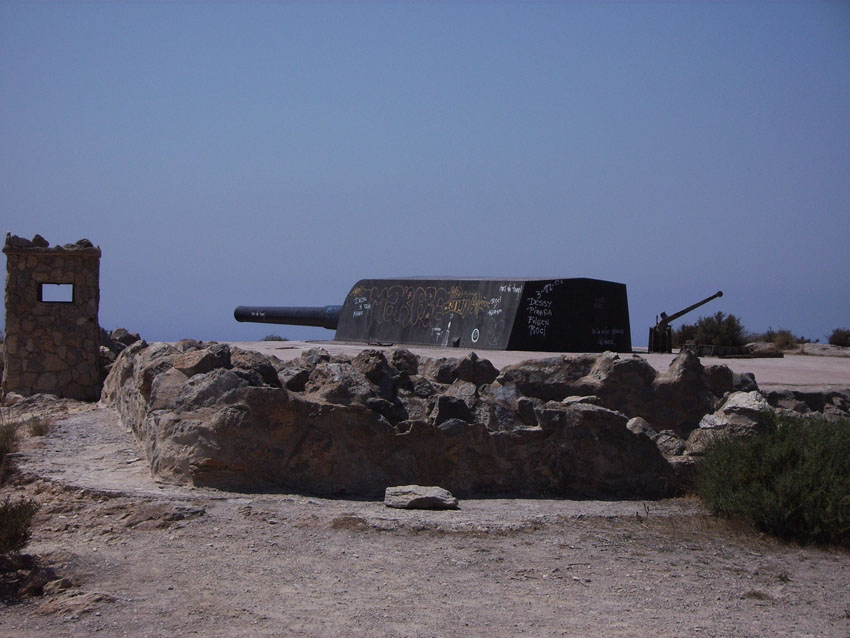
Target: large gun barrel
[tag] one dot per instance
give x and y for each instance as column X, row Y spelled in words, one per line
column 320, row 317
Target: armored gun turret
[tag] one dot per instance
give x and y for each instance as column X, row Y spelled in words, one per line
column 547, row 315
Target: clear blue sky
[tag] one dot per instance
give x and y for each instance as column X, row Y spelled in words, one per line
column 274, row 153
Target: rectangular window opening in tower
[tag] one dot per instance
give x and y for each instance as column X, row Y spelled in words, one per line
column 56, row 293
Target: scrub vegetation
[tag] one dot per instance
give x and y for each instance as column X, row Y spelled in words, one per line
column 718, row 329
column 15, row 516
column 840, row 337
column 721, row 329
column 792, row 482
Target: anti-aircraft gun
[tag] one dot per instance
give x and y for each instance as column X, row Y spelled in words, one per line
column 661, row 335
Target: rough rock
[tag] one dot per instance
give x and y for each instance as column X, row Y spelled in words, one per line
column 476, row 371
column 639, row 425
column 785, row 399
column 751, row 404
column 185, row 345
column 449, row 407
column 443, row 370
column 578, row 426
column 165, row 390
column 233, row 428
column 204, row 390
column 464, row 391
column 742, row 414
column 404, row 360
column 589, row 399
column 420, row 497
column 294, row 375
column 811, row 399
column 700, row 439
column 124, row 336
column 744, row 382
column 675, row 400
column 669, row 443
column 720, row 379
column 373, row 365
column 248, row 360
column 338, row 382
column 549, row 379
column 763, row 349
column 197, row 362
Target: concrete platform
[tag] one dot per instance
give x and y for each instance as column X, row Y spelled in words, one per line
column 793, row 370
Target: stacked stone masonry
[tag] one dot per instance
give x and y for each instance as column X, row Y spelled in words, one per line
column 52, row 346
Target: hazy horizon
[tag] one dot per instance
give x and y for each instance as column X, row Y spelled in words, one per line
column 232, row 154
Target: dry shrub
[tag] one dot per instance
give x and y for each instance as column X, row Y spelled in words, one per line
column 39, row 426
column 8, row 444
column 15, row 521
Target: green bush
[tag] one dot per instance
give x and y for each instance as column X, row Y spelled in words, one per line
column 717, row 330
column 274, row 338
column 15, row 522
column 840, row 337
column 792, row 482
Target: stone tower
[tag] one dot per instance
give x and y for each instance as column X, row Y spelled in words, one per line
column 52, row 330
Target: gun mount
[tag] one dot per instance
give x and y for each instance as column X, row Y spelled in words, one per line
column 661, row 335
column 546, row 315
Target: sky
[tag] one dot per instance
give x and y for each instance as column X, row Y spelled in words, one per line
column 271, row 153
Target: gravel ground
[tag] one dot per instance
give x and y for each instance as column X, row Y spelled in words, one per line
column 141, row 558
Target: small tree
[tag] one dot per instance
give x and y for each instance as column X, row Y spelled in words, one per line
column 840, row 337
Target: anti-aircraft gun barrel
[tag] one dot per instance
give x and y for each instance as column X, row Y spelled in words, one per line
column 665, row 319
column 318, row 316
column 661, row 335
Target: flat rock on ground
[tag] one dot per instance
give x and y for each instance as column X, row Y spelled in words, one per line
column 419, row 497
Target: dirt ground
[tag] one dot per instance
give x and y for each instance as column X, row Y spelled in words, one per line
column 139, row 558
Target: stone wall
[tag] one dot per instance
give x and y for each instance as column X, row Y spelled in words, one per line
column 52, row 339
